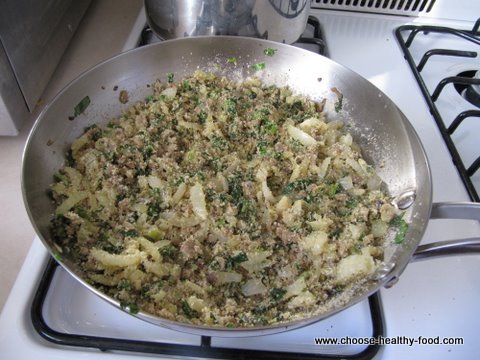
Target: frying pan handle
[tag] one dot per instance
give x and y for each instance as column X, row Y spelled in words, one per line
column 451, row 210
column 445, row 248
column 456, row 210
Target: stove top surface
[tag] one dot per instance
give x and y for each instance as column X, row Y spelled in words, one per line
column 432, row 299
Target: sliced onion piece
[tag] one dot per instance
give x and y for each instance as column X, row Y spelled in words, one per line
column 169, row 92
column 346, row 182
column 324, row 167
column 120, row 260
column 296, row 287
column 374, row 182
column 71, row 201
column 379, row 228
column 184, row 222
column 224, row 277
column 181, row 190
column 190, row 125
column 356, row 166
column 267, row 193
column 301, row 136
column 154, row 181
column 257, row 261
column 197, row 198
column 312, row 123
column 253, row 287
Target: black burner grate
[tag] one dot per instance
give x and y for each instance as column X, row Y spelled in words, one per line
column 204, row 350
column 406, row 35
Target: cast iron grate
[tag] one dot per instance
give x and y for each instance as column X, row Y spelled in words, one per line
column 406, row 35
column 204, row 350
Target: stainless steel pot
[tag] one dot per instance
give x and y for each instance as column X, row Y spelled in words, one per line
column 278, row 20
column 385, row 135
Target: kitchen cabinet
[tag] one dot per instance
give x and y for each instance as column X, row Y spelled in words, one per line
column 33, row 37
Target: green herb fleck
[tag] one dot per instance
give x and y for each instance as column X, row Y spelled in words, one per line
column 132, row 308
column 261, row 114
column 402, row 231
column 352, row 203
column 186, row 85
column 235, row 188
column 153, row 210
column 296, row 185
column 83, row 213
column 333, row 189
column 218, row 142
column 336, row 290
column 214, row 265
column 59, row 177
column 156, row 192
column 58, row 257
column 339, row 103
column 154, row 235
column 169, row 251
column 130, row 233
column 149, row 99
column 262, row 147
column 239, row 258
column 202, row 117
column 148, row 151
column 81, row 106
column 124, row 285
column 247, row 211
column 259, row 310
column 258, row 66
column 155, row 122
column 170, row 77
column 233, row 261
column 188, row 311
column 221, row 222
column 110, row 156
column 278, row 155
column 179, row 180
column 232, row 60
column 269, row 51
column 230, row 105
column 271, row 128
column 277, row 293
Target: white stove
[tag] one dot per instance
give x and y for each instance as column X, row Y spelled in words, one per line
column 434, row 298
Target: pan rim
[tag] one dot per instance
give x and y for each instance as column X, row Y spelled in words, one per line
column 209, row 330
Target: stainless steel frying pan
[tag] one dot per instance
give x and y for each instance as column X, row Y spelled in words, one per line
column 385, row 135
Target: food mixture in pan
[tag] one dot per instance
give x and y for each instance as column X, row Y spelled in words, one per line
column 223, row 204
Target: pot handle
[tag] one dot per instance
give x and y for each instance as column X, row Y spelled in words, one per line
column 451, row 210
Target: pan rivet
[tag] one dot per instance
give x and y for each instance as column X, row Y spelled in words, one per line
column 405, row 199
column 383, row 271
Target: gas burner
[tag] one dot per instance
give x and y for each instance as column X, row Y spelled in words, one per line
column 471, row 92
column 449, row 119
